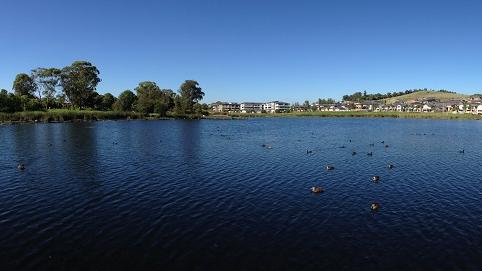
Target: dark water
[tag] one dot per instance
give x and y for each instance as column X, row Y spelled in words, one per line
column 205, row 195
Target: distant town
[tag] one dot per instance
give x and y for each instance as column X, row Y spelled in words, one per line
column 422, row 101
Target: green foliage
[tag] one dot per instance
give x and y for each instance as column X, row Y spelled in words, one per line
column 108, row 101
column 74, row 86
column 47, row 80
column 190, row 93
column 79, row 82
column 9, row 103
column 125, row 102
column 24, row 85
column 151, row 99
column 61, row 115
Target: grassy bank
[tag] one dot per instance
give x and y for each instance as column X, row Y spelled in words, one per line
column 63, row 115
column 67, row 115
column 435, row 115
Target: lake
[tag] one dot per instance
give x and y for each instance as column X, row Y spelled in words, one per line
column 235, row 195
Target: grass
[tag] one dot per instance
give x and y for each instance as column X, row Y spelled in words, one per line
column 65, row 115
column 355, row 114
column 419, row 95
column 68, row 115
column 62, row 115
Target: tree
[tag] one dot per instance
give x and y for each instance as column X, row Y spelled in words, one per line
column 94, row 101
column 126, row 101
column 108, row 101
column 24, row 85
column 147, row 94
column 9, row 103
column 79, row 82
column 48, row 80
column 190, row 93
column 151, row 99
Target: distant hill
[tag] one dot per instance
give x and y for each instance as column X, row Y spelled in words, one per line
column 421, row 95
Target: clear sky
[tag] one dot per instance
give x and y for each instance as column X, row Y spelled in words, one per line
column 251, row 50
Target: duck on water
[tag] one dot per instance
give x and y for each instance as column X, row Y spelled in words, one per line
column 317, row 189
column 329, row 167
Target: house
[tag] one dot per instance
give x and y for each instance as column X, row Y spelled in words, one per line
column 276, row 106
column 399, row 107
column 426, row 108
column 225, row 107
column 479, row 109
column 471, row 108
column 371, row 105
column 251, row 107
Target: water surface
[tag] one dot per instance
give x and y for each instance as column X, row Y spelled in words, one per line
column 200, row 195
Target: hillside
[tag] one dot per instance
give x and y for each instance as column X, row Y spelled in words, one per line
column 420, row 95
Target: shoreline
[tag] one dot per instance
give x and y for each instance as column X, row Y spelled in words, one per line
column 68, row 116
column 359, row 114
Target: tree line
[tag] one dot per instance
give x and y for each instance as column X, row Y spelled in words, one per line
column 75, row 86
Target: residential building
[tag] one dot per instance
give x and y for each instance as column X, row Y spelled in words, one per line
column 276, row 106
column 426, row 108
column 225, row 107
column 479, row 109
column 249, row 107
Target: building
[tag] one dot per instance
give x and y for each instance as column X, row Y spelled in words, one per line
column 276, row 106
column 426, row 108
column 249, row 107
column 225, row 107
column 479, row 109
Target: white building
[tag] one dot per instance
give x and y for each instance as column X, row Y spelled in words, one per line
column 426, row 108
column 276, row 106
column 225, row 107
column 479, row 109
column 248, row 107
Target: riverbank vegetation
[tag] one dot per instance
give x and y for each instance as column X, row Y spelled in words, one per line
column 53, row 94
column 359, row 114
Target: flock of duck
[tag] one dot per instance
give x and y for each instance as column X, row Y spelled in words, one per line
column 375, row 206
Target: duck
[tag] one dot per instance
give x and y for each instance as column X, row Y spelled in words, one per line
column 263, row 145
column 330, row 167
column 386, row 146
column 370, row 153
column 269, row 147
column 317, row 189
column 462, row 151
column 390, row 166
column 21, row 166
column 353, row 153
column 342, row 147
column 309, row 151
column 382, row 142
column 375, row 206
column 376, row 178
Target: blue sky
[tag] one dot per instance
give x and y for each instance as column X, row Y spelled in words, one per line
column 251, row 50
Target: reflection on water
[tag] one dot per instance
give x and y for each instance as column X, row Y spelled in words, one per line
column 207, row 195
